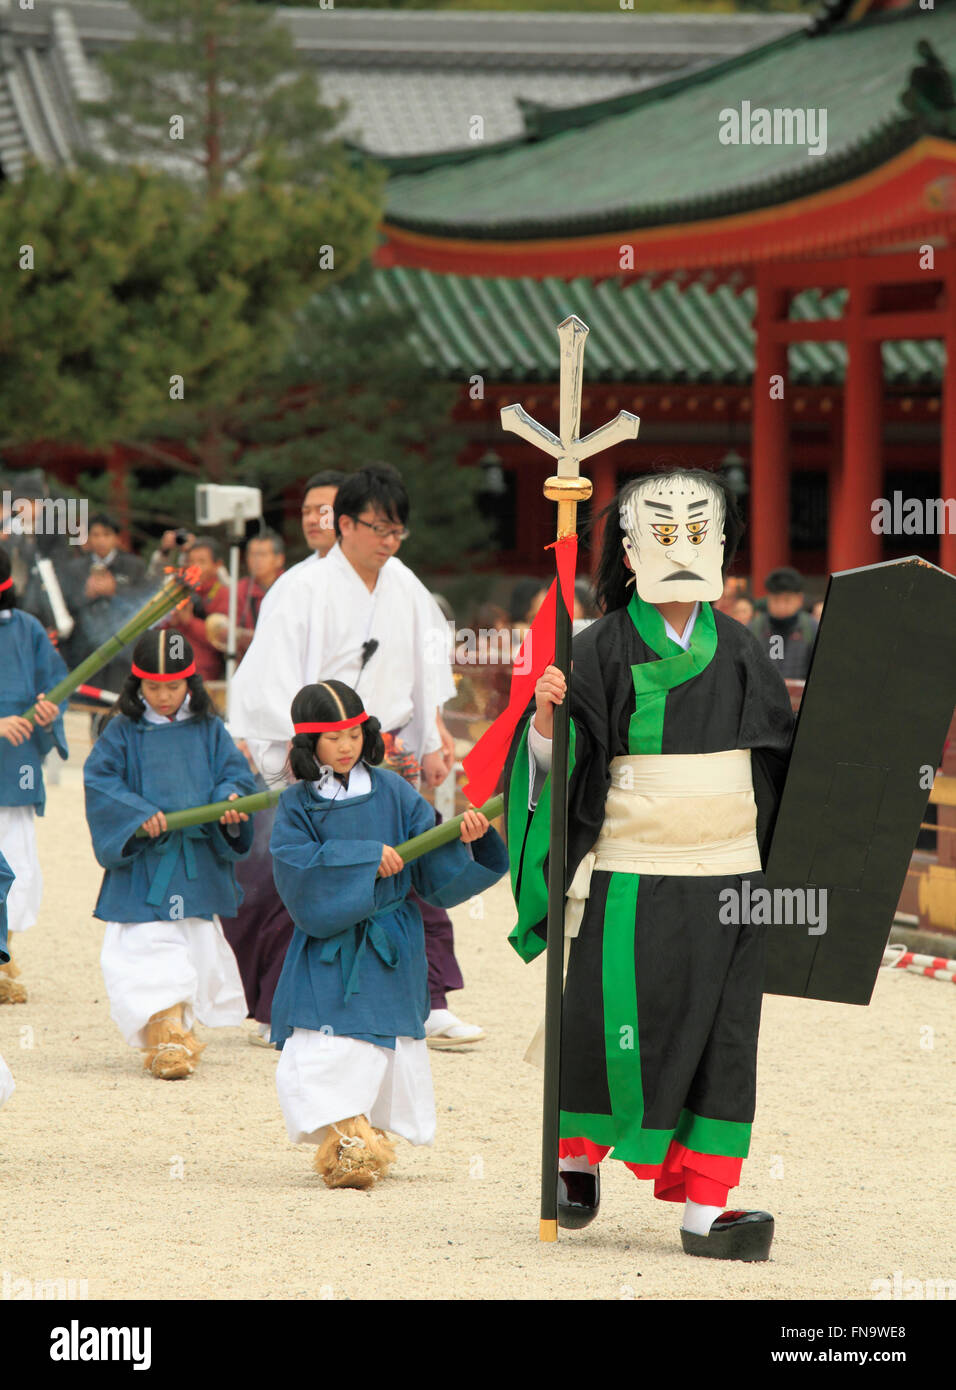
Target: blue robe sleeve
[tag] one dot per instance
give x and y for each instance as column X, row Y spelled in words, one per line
column 451, row 874
column 113, row 812
column 326, row 886
column 232, row 774
column 50, row 668
column 6, row 879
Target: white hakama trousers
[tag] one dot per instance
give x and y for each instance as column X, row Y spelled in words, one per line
column 149, row 966
column 18, row 844
column 6, row 1082
column 323, row 1078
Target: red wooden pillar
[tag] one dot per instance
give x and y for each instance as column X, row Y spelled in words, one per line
column 769, row 463
column 603, row 476
column 947, row 471
column 119, row 491
column 853, row 541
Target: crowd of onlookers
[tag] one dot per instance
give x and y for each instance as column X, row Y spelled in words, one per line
column 101, row 584
column 781, row 615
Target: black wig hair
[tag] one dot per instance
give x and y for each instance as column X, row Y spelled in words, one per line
column 159, row 650
column 326, row 703
column 611, row 584
column 379, row 486
column 8, row 598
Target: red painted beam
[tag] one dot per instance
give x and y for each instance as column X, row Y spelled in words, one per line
column 910, row 198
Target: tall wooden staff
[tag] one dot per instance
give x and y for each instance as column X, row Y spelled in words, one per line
column 567, row 488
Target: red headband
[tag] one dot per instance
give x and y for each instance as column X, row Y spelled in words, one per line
column 6, row 584
column 331, row 728
column 190, row 670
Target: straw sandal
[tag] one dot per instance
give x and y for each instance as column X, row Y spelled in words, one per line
column 353, row 1154
column 171, row 1051
column 11, row 992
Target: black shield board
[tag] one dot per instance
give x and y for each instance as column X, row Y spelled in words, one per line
column 869, row 736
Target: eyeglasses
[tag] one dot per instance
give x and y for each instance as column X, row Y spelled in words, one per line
column 398, row 533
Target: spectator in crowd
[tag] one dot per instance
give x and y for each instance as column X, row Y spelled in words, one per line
column 102, row 585
column 265, row 561
column 170, row 552
column 527, row 597
column 318, row 508
column 786, row 631
column 743, row 609
column 212, row 596
column 30, row 540
column 585, row 606
column 816, row 610
column 265, row 557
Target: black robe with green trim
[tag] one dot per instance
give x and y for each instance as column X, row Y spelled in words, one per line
column 662, row 999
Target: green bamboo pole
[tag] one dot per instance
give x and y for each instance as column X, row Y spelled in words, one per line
column 259, row 801
column 202, row 815
column 173, row 591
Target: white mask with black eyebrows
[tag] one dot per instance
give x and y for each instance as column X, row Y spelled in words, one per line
column 674, row 539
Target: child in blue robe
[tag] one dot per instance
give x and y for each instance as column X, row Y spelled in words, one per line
column 6, row 879
column 29, row 666
column 165, row 960
column 351, row 1002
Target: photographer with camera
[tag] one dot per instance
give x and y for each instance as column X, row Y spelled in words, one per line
column 173, row 545
column 211, row 595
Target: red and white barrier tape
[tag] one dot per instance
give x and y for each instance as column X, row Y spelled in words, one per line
column 108, row 697
column 933, row 967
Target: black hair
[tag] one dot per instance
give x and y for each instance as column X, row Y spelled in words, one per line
column 785, row 580
column 102, row 519
column 611, row 585
column 131, row 702
column 326, row 703
column 520, row 598
column 273, row 537
column 206, row 543
column 379, row 486
column 329, row 477
column 8, row 598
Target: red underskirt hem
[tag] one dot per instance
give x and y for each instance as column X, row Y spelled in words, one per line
column 684, row 1174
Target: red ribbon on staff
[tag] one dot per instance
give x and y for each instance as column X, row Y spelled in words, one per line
column 485, row 763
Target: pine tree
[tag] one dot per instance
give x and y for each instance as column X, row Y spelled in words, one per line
column 216, row 92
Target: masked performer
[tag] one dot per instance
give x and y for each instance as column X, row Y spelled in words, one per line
column 165, row 960
column 351, row 1003
column 29, row 666
column 680, row 730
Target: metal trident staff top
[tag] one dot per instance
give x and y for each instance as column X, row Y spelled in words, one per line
column 568, row 488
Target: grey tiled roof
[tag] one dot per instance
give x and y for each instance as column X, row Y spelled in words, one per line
column 413, row 79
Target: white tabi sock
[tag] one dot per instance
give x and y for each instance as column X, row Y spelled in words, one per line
column 698, row 1218
column 576, row 1165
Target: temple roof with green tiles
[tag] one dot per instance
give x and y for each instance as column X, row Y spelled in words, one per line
column 504, row 330
column 656, row 156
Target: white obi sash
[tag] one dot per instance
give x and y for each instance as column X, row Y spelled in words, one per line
column 687, row 814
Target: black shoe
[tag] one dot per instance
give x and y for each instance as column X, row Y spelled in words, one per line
column 735, row 1235
column 579, row 1196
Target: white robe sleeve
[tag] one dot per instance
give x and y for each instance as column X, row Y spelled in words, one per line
column 432, row 681
column 540, row 765
column 284, row 655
